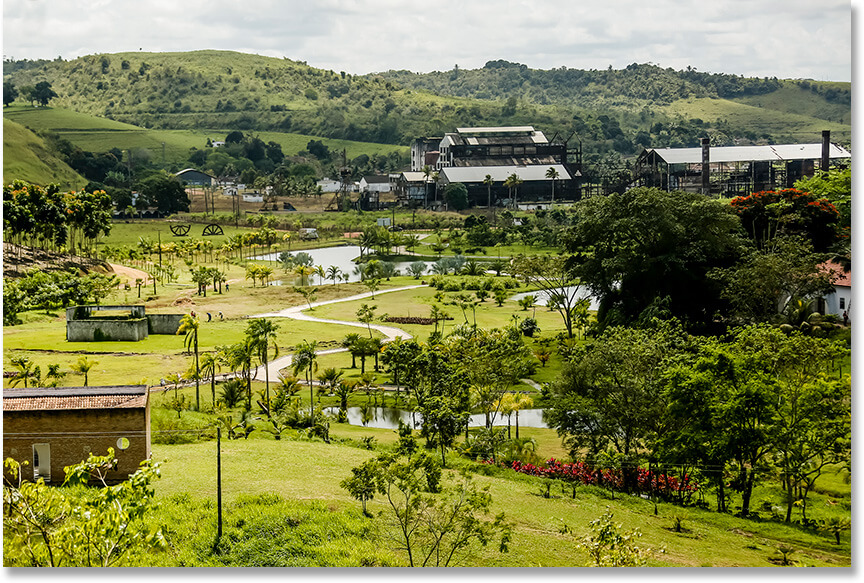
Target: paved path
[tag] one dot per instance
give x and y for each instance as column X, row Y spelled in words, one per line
column 296, row 313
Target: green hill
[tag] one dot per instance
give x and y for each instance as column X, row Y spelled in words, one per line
column 97, row 134
column 27, row 157
column 607, row 111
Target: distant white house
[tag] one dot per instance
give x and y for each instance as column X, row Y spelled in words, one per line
column 375, row 184
column 840, row 300
column 254, row 197
column 328, row 185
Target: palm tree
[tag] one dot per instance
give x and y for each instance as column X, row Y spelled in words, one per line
column 83, row 366
column 210, row 363
column 304, row 271
column 321, row 273
column 365, row 347
column 348, row 342
column 262, row 335
column 489, row 182
column 512, row 183
column 518, row 402
column 305, row 360
column 553, row 175
column 436, row 177
column 427, row 171
column 25, row 371
column 189, row 325
column 333, row 273
column 330, row 378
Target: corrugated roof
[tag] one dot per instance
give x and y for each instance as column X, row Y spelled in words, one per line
column 507, row 161
column 58, row 398
column 498, row 130
column 376, row 179
column 749, row 153
column 414, row 176
column 500, row 173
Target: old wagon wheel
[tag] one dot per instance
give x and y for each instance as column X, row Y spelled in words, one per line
column 180, row 230
column 212, row 229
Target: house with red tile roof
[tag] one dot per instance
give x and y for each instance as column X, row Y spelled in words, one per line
column 841, row 299
column 54, row 427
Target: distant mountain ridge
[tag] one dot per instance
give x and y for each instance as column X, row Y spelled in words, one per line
column 607, row 111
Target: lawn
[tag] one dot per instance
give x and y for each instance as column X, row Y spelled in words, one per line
column 545, row 530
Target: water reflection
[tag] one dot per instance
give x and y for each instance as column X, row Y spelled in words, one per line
column 342, row 257
column 571, row 291
column 389, row 417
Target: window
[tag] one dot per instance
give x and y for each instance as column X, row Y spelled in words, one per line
column 842, row 303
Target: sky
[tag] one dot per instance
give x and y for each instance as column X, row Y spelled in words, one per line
column 783, row 38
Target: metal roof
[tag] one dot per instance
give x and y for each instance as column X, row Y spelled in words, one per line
column 498, row 130
column 748, row 153
column 414, row 176
column 471, row 174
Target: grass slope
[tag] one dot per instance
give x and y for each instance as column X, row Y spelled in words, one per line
column 26, row 157
column 96, row 134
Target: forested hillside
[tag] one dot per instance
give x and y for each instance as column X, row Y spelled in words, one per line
column 608, row 111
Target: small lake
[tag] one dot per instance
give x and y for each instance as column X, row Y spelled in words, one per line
column 342, row 257
column 543, row 296
column 389, row 417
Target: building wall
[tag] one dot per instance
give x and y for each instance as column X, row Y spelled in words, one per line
column 163, row 323
column 74, row 434
column 842, row 295
column 95, row 330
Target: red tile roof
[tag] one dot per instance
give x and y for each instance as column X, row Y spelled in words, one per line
column 70, row 398
column 841, row 277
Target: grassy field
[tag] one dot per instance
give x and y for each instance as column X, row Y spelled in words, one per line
column 796, row 127
column 98, row 134
column 545, row 530
column 26, row 157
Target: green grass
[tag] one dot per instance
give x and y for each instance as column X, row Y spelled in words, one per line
column 98, row 134
column 797, row 127
column 308, row 473
column 25, row 157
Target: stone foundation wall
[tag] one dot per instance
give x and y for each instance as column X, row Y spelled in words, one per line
column 163, row 323
column 96, row 330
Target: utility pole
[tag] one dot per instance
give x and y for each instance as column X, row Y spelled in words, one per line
column 219, row 482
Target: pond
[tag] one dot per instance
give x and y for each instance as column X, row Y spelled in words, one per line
column 389, row 417
column 543, row 296
column 342, row 257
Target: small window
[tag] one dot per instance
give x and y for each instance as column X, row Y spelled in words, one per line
column 842, row 303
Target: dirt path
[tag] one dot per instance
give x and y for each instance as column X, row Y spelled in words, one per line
column 129, row 272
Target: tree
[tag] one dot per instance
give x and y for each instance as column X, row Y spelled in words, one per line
column 489, row 182
column 767, row 214
column 456, row 195
column 76, row 527
column 552, row 175
column 305, row 359
column 611, row 394
column 261, row 333
column 210, row 363
column 366, row 314
column 43, row 93
column 436, row 530
column 364, row 482
column 512, row 183
column 766, row 280
column 635, row 249
column 553, row 275
column 83, row 366
column 397, row 357
column 10, row 93
column 189, row 325
column 609, row 546
column 333, row 273
column 163, row 191
column 26, row 371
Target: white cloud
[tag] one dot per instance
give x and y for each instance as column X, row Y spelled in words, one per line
column 786, row 38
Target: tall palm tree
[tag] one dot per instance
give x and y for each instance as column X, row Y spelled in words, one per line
column 83, row 366
column 305, row 360
column 512, row 183
column 304, row 271
column 552, row 174
column 210, row 363
column 436, row 177
column 427, row 171
column 189, row 325
column 321, row 273
column 489, row 182
column 348, row 342
column 262, row 335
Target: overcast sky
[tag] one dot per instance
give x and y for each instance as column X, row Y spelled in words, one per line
column 783, row 38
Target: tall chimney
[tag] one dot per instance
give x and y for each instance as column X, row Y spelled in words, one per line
column 826, row 150
column 706, row 158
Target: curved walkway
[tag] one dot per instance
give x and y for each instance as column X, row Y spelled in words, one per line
column 296, row 313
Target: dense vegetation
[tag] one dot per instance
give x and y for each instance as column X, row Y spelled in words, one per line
column 609, row 111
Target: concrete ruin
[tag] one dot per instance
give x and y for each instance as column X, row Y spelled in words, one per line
column 86, row 324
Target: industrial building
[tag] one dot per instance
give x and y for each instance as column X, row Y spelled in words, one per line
column 730, row 171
